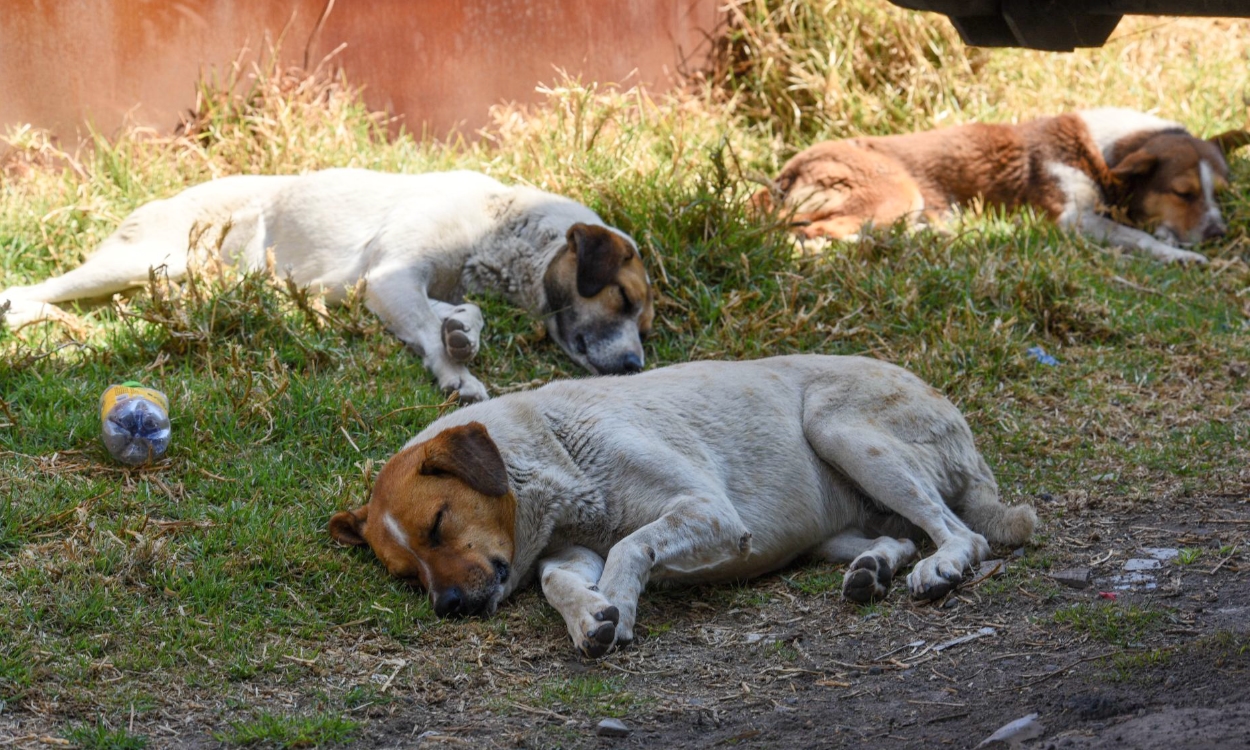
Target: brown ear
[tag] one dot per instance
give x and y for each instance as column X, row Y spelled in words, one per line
column 347, row 526
column 467, row 453
column 1231, row 141
column 1136, row 164
column 600, row 255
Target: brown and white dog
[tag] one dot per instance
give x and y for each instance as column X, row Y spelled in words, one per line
column 420, row 242
column 1079, row 169
column 705, row 471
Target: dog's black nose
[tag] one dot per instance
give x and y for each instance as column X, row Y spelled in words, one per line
column 449, row 602
column 631, row 363
column 1214, row 232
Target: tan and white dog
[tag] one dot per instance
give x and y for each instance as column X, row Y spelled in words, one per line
column 1086, row 170
column 703, row 471
column 420, row 242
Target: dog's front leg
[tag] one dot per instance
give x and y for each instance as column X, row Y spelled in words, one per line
column 570, row 582
column 1105, row 230
column 697, row 533
column 398, row 296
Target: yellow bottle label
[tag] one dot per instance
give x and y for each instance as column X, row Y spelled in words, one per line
column 118, row 393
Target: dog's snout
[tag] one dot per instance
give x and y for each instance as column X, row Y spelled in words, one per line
column 1214, row 231
column 449, row 602
column 631, row 363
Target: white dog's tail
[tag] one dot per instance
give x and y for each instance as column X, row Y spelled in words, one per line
column 982, row 510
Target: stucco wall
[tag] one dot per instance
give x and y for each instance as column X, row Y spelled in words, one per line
column 434, row 62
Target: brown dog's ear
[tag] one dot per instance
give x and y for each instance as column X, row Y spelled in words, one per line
column 347, row 526
column 600, row 255
column 469, row 454
column 1136, row 164
column 1230, row 141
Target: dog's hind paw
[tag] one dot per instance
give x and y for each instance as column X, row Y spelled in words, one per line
column 868, row 579
column 601, row 638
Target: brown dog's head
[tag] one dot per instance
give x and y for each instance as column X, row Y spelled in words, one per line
column 599, row 301
column 441, row 517
column 1170, row 179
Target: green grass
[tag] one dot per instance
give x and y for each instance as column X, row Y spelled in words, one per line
column 587, row 694
column 286, row 732
column 209, row 577
column 1115, row 624
column 100, row 737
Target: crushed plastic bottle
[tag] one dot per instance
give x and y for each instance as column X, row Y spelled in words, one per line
column 135, row 423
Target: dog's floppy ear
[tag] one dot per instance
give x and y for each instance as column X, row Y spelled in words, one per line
column 1136, row 164
column 1230, row 141
column 467, row 453
column 600, row 255
column 347, row 526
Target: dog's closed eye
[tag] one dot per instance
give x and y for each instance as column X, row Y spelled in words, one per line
column 435, row 536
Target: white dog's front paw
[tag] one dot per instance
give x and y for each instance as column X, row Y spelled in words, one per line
column 934, row 577
column 1169, row 254
column 470, row 388
column 462, row 333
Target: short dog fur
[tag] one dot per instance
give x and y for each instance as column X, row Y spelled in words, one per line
column 1088, row 171
column 419, row 242
column 698, row 472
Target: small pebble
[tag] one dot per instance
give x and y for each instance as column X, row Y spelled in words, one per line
column 1076, row 578
column 612, row 728
column 875, row 670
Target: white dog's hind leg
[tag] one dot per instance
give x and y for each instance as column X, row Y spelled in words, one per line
column 873, row 562
column 696, row 534
column 570, row 582
column 462, row 329
column 152, row 236
column 894, row 473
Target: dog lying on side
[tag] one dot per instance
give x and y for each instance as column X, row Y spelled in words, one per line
column 704, row 471
column 1079, row 169
column 420, row 242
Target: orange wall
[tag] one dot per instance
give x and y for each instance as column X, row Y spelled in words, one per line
column 435, row 62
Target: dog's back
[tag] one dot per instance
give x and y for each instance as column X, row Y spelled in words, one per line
column 755, row 433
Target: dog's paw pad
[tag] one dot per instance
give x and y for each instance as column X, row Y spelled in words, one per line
column 458, row 342
column 609, row 614
column 936, row 587
column 599, row 640
column 868, row 579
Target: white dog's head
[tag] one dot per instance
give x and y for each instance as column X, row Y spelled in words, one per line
column 599, row 300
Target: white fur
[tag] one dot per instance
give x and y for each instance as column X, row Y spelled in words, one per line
column 727, row 470
column 1108, row 125
column 414, row 239
column 1081, row 194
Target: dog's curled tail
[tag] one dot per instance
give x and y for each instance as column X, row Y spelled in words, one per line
column 1010, row 525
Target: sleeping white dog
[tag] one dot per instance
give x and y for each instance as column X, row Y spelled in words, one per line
column 420, row 242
